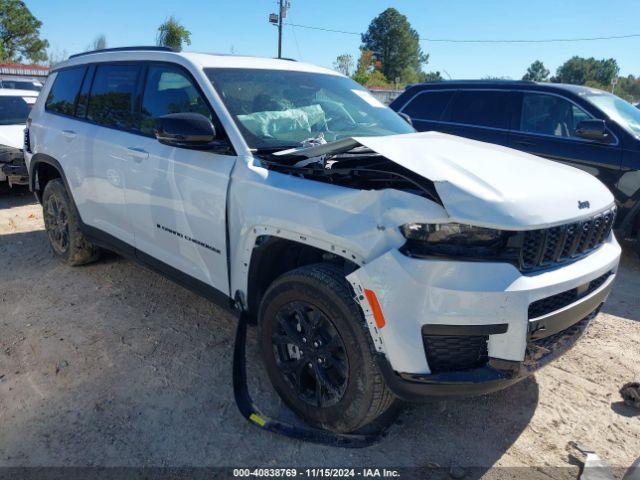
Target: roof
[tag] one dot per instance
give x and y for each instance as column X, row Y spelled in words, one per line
column 13, row 92
column 202, row 60
column 507, row 84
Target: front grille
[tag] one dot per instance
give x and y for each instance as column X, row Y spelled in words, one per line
column 556, row 302
column 546, row 247
column 455, row 353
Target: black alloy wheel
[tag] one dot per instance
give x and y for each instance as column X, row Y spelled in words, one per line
column 310, row 354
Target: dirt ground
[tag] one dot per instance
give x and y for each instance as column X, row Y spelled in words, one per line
column 112, row 365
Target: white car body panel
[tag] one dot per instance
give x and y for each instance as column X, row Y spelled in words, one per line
column 12, row 135
column 466, row 293
column 176, row 201
column 494, row 186
column 356, row 224
column 201, row 197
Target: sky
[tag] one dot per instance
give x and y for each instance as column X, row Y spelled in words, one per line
column 241, row 27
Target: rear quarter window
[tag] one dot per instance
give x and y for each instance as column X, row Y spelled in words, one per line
column 428, row 105
column 63, row 93
column 481, row 108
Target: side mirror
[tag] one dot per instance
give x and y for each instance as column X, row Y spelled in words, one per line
column 185, row 130
column 593, row 130
column 406, row 118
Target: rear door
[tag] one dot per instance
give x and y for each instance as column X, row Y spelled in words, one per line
column 480, row 114
column 426, row 109
column 63, row 135
column 177, row 196
column 545, row 125
column 111, row 118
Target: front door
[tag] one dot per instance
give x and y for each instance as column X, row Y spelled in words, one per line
column 547, row 126
column 176, row 197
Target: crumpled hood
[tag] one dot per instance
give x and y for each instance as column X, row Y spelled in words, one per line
column 12, row 135
column 494, row 186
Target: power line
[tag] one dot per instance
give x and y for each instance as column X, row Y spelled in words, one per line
column 452, row 40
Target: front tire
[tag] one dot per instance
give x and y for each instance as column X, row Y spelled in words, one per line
column 62, row 223
column 317, row 350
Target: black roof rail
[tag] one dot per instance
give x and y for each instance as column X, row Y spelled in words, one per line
column 127, row 49
column 476, row 80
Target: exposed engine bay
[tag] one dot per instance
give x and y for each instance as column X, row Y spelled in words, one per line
column 348, row 163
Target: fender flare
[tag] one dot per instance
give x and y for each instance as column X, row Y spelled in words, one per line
column 38, row 159
column 243, row 266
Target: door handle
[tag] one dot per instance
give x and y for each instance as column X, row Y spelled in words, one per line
column 69, row 134
column 138, row 154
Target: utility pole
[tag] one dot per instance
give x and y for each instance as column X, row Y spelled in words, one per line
column 278, row 19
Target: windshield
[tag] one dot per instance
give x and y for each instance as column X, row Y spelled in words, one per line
column 276, row 108
column 14, row 110
column 618, row 110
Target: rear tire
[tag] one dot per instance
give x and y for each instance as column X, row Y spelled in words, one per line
column 317, row 350
column 62, row 223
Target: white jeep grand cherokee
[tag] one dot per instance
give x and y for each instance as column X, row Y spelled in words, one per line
column 379, row 262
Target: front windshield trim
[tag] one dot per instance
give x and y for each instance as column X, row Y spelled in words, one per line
column 277, row 109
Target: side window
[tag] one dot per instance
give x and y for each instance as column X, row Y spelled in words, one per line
column 550, row 115
column 111, row 101
column 428, row 105
column 169, row 90
column 481, row 108
column 62, row 97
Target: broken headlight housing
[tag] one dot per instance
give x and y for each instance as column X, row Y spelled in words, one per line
column 453, row 240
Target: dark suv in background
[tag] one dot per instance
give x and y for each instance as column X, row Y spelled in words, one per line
column 584, row 127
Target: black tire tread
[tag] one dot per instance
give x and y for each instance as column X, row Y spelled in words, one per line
column 332, row 277
column 81, row 250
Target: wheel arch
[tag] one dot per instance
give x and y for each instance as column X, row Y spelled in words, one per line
column 273, row 255
column 42, row 169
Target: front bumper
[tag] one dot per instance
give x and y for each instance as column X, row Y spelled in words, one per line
column 484, row 300
column 494, row 376
column 13, row 167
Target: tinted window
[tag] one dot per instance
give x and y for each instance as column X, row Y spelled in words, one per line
column 550, row 115
column 428, row 105
column 169, row 90
column 482, row 108
column 14, row 110
column 63, row 93
column 111, row 101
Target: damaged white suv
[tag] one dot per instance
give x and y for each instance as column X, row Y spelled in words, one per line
column 378, row 262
